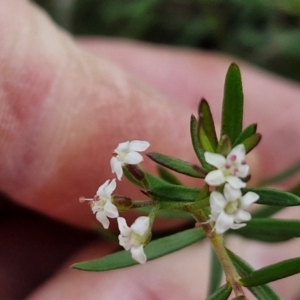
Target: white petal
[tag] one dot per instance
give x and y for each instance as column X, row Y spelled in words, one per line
column 217, row 202
column 243, row 171
column 111, row 210
column 231, row 193
column 235, row 182
column 239, row 151
column 138, row 254
column 110, row 188
column 141, row 225
column 124, row 242
column 242, row 216
column 138, row 145
column 100, row 191
column 214, row 159
column 101, row 217
column 237, row 226
column 248, row 199
column 133, row 158
column 124, row 229
column 223, row 223
column 116, row 167
column 215, row 178
column 122, row 148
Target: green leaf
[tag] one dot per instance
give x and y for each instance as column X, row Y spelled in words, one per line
column 222, row 293
column 252, row 141
column 274, row 197
column 295, row 190
column 284, row 175
column 246, row 133
column 270, row 230
column 155, row 249
column 167, row 214
column 233, row 102
column 167, row 176
column 262, row 292
column 266, row 211
column 176, row 164
column 224, row 146
column 273, row 272
column 196, row 144
column 153, row 180
column 207, row 133
column 172, row 192
column 216, row 273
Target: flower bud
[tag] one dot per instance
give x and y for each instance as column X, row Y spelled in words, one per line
column 123, row 203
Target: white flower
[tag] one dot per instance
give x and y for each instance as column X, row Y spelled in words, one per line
column 133, row 238
column 228, row 211
column 229, row 169
column 102, row 204
column 127, row 153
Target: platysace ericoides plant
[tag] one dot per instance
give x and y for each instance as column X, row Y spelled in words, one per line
column 218, row 204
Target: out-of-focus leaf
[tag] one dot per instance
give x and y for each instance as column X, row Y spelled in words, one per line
column 176, row 164
column 295, row 190
column 216, row 272
column 270, row 230
column 266, row 211
column 274, row 197
column 167, row 214
column 233, row 102
column 273, row 272
column 251, row 142
column 284, row 175
column 246, row 133
column 155, row 249
column 172, row 192
column 196, row 144
column 261, row 292
column 207, row 133
column 167, row 176
column 222, row 293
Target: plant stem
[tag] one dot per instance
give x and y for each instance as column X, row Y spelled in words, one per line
column 217, row 243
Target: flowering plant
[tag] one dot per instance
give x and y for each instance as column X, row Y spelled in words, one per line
column 218, row 205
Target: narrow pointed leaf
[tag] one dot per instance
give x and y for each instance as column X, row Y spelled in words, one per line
column 167, row 176
column 274, row 197
column 266, row 211
column 273, row 272
column 270, row 230
column 153, row 180
column 216, row 273
column 175, row 164
column 153, row 250
column 207, row 133
column 224, row 146
column 172, row 192
column 284, row 175
column 196, row 144
column 222, row 293
column 233, row 102
column 261, row 292
column 252, row 141
column 166, row 214
column 246, row 133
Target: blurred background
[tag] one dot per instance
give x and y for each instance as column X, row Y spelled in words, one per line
column 263, row 32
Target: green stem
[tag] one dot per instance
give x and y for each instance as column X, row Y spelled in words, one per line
column 217, row 243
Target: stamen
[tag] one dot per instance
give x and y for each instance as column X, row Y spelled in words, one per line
column 83, row 199
column 232, row 157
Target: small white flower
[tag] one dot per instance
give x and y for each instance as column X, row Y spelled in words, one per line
column 229, row 169
column 102, row 204
column 133, row 238
column 228, row 211
column 127, row 153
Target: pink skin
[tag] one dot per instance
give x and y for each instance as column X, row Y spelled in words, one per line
column 65, row 106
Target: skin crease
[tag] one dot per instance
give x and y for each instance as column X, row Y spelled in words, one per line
column 65, row 105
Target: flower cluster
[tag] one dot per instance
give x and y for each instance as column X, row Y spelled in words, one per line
column 104, row 203
column 228, row 208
